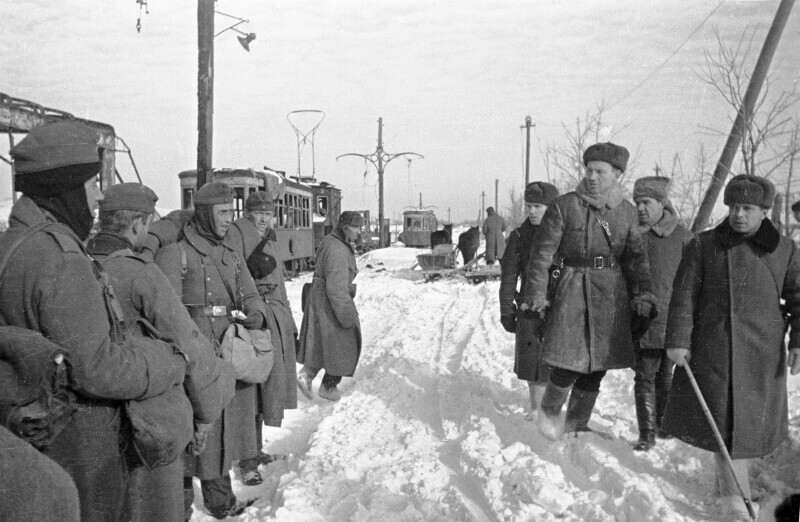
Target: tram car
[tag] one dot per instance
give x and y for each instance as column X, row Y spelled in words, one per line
column 417, row 228
column 304, row 213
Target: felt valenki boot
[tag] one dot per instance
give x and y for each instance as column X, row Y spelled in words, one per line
column 536, row 392
column 579, row 410
column 550, row 422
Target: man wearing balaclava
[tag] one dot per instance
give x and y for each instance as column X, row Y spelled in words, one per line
column 51, row 286
column 213, row 283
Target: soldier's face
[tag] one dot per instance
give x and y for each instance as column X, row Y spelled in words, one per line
column 535, row 212
column 223, row 217
column 600, row 176
column 262, row 219
column 649, row 210
column 93, row 194
column 746, row 219
column 352, row 233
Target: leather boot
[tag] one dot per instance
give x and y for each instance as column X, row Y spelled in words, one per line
column 662, row 393
column 550, row 424
column 579, row 410
column 646, row 415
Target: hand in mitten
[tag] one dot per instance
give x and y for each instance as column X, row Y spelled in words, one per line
column 644, row 305
column 679, row 356
column 509, row 322
column 253, row 321
column 198, row 443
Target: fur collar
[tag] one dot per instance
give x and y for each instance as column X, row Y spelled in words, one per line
column 610, row 198
column 766, row 237
column 666, row 225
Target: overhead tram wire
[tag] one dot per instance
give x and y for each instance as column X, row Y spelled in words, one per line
column 665, row 62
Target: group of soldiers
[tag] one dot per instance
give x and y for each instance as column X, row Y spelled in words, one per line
column 609, row 284
column 136, row 312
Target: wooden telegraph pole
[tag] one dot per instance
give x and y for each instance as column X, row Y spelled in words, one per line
column 205, row 89
column 744, row 116
column 527, row 128
column 496, row 200
column 380, row 159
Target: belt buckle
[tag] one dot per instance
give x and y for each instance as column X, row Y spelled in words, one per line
column 218, row 311
column 599, row 262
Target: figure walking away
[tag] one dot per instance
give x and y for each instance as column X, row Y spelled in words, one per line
column 330, row 335
column 727, row 322
column 593, row 234
column 525, row 324
column 493, row 229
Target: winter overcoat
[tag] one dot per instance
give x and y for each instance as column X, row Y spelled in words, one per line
column 588, row 324
column 279, row 392
column 664, row 243
column 528, row 348
column 726, row 309
column 143, row 291
column 210, row 279
column 493, row 229
column 330, row 335
column 50, row 286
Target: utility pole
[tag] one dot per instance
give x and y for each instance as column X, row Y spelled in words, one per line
column 743, row 117
column 205, row 90
column 448, row 210
column 527, row 128
column 496, row 188
column 483, row 206
column 380, row 159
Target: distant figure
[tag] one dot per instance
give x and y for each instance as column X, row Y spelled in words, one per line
column 468, row 243
column 493, row 229
column 440, row 237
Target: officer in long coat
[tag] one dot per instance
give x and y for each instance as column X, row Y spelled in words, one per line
column 593, row 234
column 726, row 321
column 50, row 285
column 214, row 283
column 493, row 228
column 526, row 324
column 254, row 238
column 330, row 335
column 144, row 292
column 664, row 240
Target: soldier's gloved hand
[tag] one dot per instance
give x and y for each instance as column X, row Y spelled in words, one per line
column 253, row 321
column 679, row 356
column 509, row 322
column 645, row 305
column 198, row 443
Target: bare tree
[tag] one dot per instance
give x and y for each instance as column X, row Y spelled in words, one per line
column 688, row 185
column 514, row 212
column 792, row 151
column 564, row 162
column 771, row 117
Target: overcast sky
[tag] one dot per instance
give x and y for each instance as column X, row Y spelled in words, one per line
column 453, row 81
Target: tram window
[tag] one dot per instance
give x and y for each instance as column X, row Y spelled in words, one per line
column 322, row 205
column 188, row 193
column 238, row 201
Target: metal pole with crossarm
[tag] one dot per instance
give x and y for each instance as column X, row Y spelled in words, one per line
column 380, row 159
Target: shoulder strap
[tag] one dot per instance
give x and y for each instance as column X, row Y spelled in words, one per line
column 17, row 242
column 606, row 229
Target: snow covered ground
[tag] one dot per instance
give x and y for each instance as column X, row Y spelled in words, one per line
column 432, row 427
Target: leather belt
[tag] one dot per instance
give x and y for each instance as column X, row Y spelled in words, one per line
column 209, row 311
column 596, row 262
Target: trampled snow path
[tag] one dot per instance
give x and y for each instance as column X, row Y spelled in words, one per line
column 432, row 428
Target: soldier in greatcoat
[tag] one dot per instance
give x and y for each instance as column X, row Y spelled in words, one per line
column 526, row 324
column 143, row 291
column 593, row 234
column 253, row 236
column 664, row 238
column 493, row 228
column 213, row 284
column 330, row 335
column 727, row 322
column 50, row 285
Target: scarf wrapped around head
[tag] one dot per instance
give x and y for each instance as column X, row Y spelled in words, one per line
column 205, row 224
column 70, row 208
